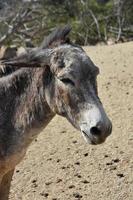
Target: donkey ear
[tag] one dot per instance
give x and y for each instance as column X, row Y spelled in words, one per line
column 33, row 58
column 57, row 37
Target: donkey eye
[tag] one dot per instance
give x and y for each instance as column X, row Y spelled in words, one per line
column 67, row 81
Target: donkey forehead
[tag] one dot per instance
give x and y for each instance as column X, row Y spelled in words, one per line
column 74, row 59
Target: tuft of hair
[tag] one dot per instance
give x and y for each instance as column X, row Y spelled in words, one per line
column 8, row 53
column 57, row 37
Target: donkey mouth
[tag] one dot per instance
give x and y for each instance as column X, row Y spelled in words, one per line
column 90, row 139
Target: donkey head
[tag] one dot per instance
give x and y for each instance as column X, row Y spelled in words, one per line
column 70, row 84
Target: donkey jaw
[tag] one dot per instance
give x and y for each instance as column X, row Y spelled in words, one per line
column 90, row 139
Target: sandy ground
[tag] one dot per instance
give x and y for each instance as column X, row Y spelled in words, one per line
column 61, row 166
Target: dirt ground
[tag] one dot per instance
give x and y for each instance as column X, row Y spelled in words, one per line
column 59, row 165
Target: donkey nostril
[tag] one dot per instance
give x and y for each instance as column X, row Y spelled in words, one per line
column 95, row 131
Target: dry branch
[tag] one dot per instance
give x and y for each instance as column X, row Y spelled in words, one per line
column 17, row 26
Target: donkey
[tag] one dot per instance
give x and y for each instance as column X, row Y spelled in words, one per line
column 56, row 78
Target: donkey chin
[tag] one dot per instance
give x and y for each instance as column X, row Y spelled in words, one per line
column 95, row 126
column 92, row 139
column 94, row 136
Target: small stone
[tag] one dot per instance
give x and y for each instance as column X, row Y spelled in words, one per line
column 71, row 186
column 77, row 163
column 112, row 168
column 78, row 175
column 49, row 159
column 74, row 141
column 85, row 181
column 48, row 183
column 77, row 195
column 63, row 167
column 120, row 175
column 86, row 154
column 63, row 131
column 116, row 160
column 34, row 181
column 59, row 180
column 109, row 163
column 44, row 194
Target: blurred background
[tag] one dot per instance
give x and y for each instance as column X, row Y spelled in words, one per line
column 27, row 22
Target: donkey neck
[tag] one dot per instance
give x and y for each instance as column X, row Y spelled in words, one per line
column 33, row 109
column 26, row 90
